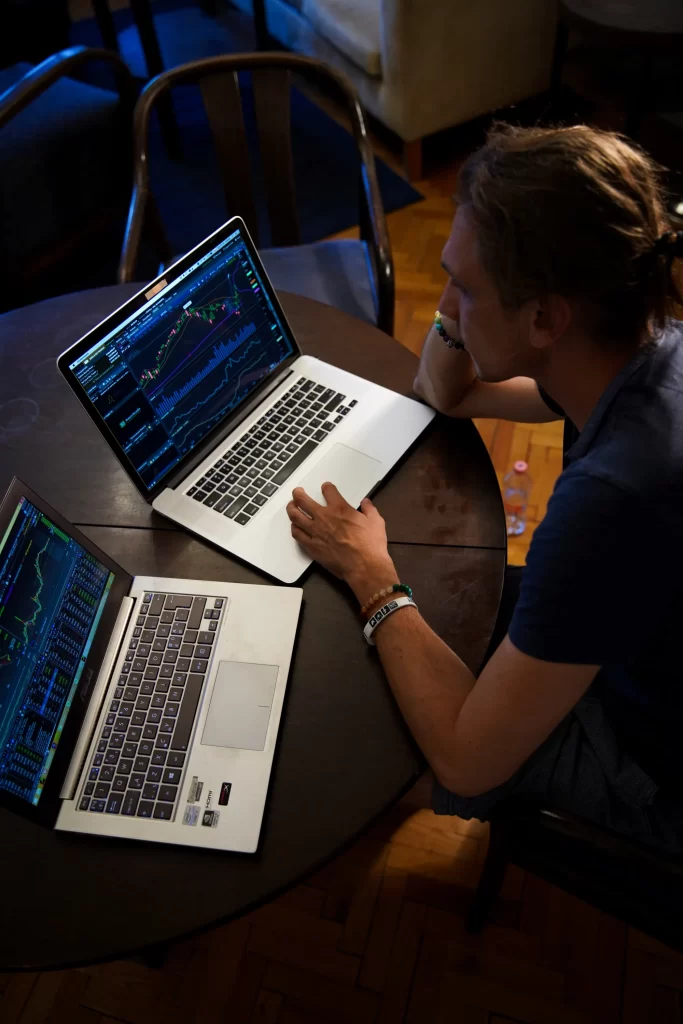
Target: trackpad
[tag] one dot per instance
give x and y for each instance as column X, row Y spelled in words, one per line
column 352, row 473
column 240, row 706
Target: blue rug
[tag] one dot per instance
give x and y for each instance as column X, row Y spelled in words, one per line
column 189, row 192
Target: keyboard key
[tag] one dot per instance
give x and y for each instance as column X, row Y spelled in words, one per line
column 156, row 658
column 106, row 773
column 150, row 791
column 130, row 803
column 97, row 806
column 212, row 498
column 136, row 781
column 145, row 809
column 250, row 510
column 195, row 619
column 152, row 672
column 89, row 788
column 149, row 732
column 191, row 635
column 172, row 777
column 159, row 645
column 168, row 794
column 171, row 710
column 166, row 725
column 126, row 709
column 157, row 605
column 205, row 638
column 159, row 757
column 188, row 710
column 141, row 764
column 119, row 784
column 147, row 687
column 102, row 789
column 306, row 449
column 125, row 766
column 260, row 500
column 187, row 651
column 138, row 718
column 158, row 700
column 269, row 489
column 146, row 748
column 175, row 693
column 129, row 749
column 116, row 741
column 84, row 804
column 114, row 803
column 154, row 715
column 162, row 685
column 134, row 734
column 175, row 759
column 199, row 495
column 242, row 519
column 98, row 759
column 142, row 703
column 163, row 811
column 130, row 693
column 163, row 741
column 140, row 621
column 155, row 773
column 319, row 435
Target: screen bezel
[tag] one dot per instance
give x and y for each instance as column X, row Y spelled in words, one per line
column 47, row 808
column 136, row 302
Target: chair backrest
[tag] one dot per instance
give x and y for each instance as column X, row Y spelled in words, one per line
column 271, row 74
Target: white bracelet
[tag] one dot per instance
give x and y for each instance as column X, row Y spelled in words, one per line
column 381, row 614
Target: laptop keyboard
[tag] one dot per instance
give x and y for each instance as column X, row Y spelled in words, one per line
column 140, row 755
column 247, row 475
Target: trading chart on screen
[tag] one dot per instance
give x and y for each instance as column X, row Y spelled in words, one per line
column 52, row 594
column 178, row 367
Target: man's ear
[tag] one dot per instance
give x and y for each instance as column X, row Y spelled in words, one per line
column 551, row 317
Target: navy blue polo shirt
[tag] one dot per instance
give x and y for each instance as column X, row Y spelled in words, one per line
column 603, row 584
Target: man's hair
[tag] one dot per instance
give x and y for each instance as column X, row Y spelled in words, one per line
column 576, row 212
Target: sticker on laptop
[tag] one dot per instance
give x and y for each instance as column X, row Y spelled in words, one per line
column 191, row 815
column 210, row 819
column 195, row 790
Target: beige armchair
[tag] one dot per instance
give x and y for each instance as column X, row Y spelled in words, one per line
column 424, row 65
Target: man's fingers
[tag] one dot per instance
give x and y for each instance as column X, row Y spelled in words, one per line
column 305, row 501
column 332, row 495
column 299, row 518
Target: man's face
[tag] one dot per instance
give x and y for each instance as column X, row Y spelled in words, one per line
column 496, row 339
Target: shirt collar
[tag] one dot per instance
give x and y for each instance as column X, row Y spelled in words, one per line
column 587, row 435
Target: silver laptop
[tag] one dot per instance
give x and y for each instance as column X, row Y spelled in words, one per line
column 200, row 389
column 134, row 706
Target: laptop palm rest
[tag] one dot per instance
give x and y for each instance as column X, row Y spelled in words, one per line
column 240, row 706
column 353, row 473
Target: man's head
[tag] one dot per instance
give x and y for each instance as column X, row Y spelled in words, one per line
column 556, row 236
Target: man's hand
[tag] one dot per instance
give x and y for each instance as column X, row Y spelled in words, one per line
column 351, row 544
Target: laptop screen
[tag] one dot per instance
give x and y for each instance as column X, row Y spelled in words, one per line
column 170, row 373
column 52, row 595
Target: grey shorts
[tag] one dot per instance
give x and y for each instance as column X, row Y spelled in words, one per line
column 580, row 768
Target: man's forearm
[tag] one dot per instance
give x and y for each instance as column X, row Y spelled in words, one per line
column 430, row 684
column 444, row 375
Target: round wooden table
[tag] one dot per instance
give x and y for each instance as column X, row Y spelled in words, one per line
column 344, row 752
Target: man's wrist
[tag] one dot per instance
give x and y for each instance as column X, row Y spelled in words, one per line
column 368, row 579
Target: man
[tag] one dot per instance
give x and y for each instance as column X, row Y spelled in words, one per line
column 560, row 290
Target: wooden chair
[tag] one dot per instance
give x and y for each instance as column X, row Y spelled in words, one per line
column 620, row 876
column 356, row 276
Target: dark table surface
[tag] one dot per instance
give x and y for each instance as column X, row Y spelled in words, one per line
column 344, row 753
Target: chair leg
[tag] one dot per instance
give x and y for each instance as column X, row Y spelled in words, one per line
column 412, row 159
column 491, row 879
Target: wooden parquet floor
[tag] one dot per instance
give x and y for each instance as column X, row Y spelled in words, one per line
column 377, row 935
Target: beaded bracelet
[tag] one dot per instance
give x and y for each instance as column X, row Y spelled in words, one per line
column 384, row 593
column 443, row 333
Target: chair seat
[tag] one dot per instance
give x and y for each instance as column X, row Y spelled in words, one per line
column 61, row 163
column 336, row 273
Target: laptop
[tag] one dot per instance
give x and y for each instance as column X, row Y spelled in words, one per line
column 134, row 706
column 201, row 391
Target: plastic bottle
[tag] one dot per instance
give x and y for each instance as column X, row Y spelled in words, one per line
column 516, row 490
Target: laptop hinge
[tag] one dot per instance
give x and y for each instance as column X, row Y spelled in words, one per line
column 98, row 694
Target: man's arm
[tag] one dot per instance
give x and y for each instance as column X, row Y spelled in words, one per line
column 447, row 381
column 475, row 733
